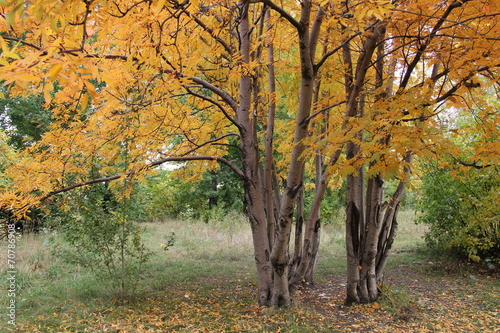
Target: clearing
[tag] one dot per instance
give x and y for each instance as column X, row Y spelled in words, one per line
column 205, row 283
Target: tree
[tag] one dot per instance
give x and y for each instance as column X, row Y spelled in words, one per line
column 24, row 119
column 344, row 88
column 396, row 89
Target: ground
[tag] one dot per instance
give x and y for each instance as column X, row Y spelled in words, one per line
column 206, row 283
column 418, row 297
column 414, row 301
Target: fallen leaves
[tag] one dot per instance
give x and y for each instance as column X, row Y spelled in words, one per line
column 433, row 304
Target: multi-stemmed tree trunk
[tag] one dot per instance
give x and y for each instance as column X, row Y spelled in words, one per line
column 356, row 223
column 260, row 206
column 371, row 222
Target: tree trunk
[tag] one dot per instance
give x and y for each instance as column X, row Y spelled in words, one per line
column 250, row 166
column 389, row 223
column 311, row 269
column 299, row 228
column 213, row 198
column 256, row 215
column 354, row 228
column 269, row 173
column 368, row 290
column 280, row 253
column 304, row 270
column 371, row 222
column 359, row 231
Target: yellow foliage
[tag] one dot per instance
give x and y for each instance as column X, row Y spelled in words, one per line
column 130, row 82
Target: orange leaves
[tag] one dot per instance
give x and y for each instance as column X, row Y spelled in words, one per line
column 378, row 9
column 54, row 70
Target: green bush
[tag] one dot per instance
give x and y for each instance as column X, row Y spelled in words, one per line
column 7, row 157
column 102, row 236
column 463, row 212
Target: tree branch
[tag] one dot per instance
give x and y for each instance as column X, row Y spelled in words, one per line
column 423, row 47
column 326, row 108
column 210, row 31
column 211, row 141
column 125, row 12
column 332, row 52
column 205, row 84
column 472, row 165
column 284, row 14
column 153, row 164
column 215, row 103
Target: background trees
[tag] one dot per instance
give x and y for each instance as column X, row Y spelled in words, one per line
column 325, row 89
column 25, row 119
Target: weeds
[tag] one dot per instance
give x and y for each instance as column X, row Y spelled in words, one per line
column 400, row 302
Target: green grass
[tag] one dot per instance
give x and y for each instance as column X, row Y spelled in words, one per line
column 204, row 282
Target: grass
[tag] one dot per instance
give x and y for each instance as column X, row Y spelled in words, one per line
column 206, row 282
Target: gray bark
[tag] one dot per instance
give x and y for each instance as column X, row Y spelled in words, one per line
column 250, row 166
column 280, row 257
column 359, row 287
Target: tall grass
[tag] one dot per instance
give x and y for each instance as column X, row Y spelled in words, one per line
column 202, row 252
column 227, row 239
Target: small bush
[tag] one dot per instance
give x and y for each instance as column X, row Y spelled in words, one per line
column 102, row 237
column 400, row 302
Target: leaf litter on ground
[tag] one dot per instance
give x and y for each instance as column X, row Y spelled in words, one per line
column 424, row 303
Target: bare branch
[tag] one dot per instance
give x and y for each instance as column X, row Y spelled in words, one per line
column 425, row 44
column 109, row 56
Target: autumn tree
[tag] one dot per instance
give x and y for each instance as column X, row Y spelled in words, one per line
column 328, row 88
column 410, row 68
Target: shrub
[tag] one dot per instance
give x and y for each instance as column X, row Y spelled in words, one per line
column 103, row 238
column 462, row 212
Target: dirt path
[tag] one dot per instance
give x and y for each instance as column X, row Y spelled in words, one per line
column 417, row 299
